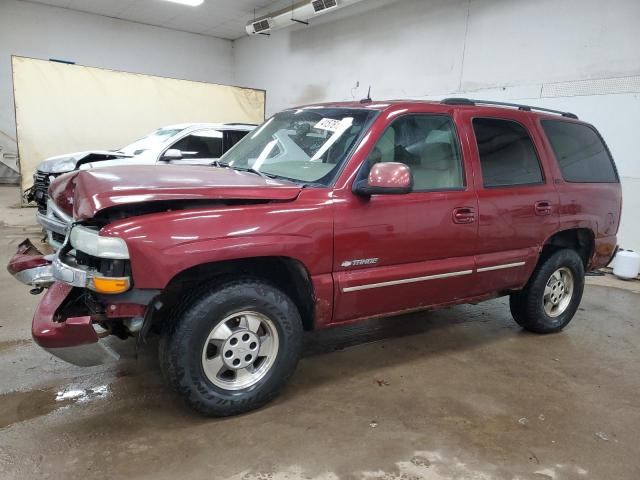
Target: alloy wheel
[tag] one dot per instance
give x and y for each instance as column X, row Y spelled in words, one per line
column 558, row 292
column 240, row 350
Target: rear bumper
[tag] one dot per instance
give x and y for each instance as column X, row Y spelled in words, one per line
column 603, row 252
column 73, row 340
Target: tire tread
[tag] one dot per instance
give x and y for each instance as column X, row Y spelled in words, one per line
column 178, row 331
column 526, row 305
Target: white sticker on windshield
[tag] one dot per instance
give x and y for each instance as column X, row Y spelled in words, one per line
column 328, row 124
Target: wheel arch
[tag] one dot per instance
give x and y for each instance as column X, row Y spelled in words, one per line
column 582, row 240
column 288, row 274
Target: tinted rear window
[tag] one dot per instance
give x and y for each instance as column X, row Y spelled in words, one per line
column 580, row 152
column 507, row 154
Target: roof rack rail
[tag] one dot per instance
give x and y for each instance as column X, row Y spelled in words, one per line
column 526, row 108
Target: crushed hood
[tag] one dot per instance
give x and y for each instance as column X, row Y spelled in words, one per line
column 71, row 161
column 86, row 192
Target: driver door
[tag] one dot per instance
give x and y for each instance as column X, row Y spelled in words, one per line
column 400, row 252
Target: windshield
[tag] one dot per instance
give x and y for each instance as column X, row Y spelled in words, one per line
column 306, row 145
column 152, row 140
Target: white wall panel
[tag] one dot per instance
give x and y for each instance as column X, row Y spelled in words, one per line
column 71, row 108
column 579, row 55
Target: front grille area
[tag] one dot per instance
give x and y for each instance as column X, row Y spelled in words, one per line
column 40, row 188
column 57, row 237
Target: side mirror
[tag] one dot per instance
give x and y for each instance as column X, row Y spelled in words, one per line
column 172, row 154
column 386, row 178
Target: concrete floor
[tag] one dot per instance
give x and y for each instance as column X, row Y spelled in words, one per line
column 460, row 393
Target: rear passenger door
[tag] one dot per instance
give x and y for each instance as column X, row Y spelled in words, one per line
column 517, row 200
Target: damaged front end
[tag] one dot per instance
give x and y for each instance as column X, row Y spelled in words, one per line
column 89, row 295
column 70, row 338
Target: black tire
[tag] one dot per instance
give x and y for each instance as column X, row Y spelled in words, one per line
column 182, row 343
column 527, row 306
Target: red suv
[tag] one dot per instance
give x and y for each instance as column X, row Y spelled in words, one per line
column 325, row 215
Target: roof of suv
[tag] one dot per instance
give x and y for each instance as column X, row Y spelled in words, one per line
column 489, row 105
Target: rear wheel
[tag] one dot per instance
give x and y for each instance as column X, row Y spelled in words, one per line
column 552, row 295
column 231, row 349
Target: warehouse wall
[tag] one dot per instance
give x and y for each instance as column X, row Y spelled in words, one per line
column 39, row 31
column 580, row 55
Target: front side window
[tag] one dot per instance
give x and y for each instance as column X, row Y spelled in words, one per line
column 154, row 139
column 306, row 145
column 580, row 152
column 507, row 154
column 200, row 144
column 428, row 145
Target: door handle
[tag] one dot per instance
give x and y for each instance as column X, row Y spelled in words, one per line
column 463, row 215
column 543, row 207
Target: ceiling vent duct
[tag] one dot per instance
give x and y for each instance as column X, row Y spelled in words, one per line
column 320, row 6
column 300, row 12
column 260, row 27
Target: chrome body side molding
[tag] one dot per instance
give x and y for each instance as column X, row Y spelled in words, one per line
column 500, row 267
column 402, row 281
column 406, row 280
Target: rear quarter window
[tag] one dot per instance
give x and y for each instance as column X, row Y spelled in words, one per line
column 507, row 155
column 580, row 152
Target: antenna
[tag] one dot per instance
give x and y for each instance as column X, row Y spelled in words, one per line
column 368, row 98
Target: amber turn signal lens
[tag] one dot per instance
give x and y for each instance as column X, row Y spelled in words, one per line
column 110, row 285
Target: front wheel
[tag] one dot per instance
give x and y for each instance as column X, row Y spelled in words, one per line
column 231, row 349
column 552, row 295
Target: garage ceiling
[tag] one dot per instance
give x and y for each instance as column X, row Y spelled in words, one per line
column 217, row 18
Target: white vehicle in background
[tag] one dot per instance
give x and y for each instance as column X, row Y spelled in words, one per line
column 184, row 144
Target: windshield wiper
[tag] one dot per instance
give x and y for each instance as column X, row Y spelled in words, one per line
column 217, row 163
column 252, row 170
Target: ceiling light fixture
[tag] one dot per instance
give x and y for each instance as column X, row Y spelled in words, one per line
column 191, row 3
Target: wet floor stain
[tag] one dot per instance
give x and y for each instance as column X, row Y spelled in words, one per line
column 8, row 345
column 21, row 406
column 82, row 395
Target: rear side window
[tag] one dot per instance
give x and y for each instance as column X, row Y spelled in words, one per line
column 231, row 137
column 580, row 152
column 507, row 154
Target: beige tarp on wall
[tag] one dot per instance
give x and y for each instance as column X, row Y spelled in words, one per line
column 64, row 108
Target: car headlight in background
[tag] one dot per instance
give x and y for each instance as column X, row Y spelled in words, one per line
column 64, row 166
column 88, row 241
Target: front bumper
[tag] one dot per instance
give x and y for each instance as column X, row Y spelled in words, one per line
column 30, row 266
column 73, row 340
